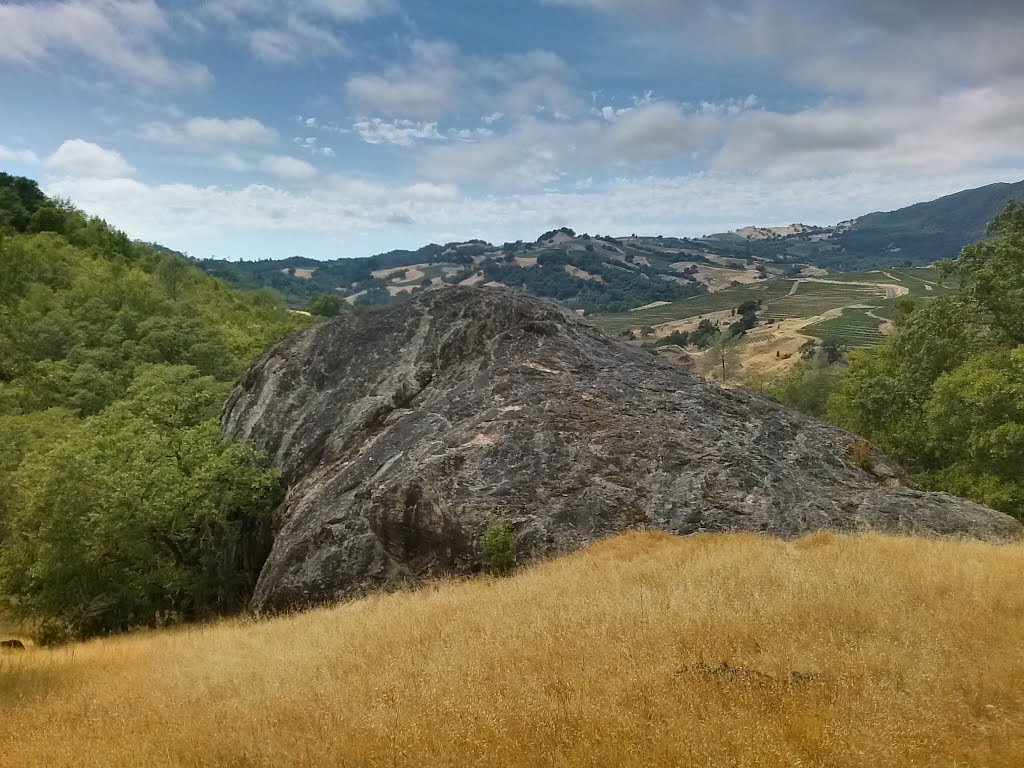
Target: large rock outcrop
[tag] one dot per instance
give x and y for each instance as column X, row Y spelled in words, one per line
column 399, row 432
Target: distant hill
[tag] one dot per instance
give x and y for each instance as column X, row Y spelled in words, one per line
column 601, row 274
column 593, row 274
column 921, row 233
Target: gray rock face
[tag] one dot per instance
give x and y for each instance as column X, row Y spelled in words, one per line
column 400, row 431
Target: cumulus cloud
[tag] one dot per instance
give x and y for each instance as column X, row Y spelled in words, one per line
column 524, row 83
column 292, row 40
column 350, row 10
column 236, row 11
column 656, row 131
column 427, row 86
column 77, row 157
column 437, row 79
column 286, row 167
column 530, row 155
column 231, row 161
column 18, row 155
column 404, row 133
column 242, row 130
column 121, row 37
column 160, row 133
column 965, row 129
column 282, row 32
column 536, row 151
column 183, row 214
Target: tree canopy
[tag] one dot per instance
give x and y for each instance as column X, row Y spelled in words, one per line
column 121, row 504
column 945, row 394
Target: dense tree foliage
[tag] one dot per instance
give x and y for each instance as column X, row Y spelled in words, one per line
column 618, row 287
column 610, row 287
column 325, row 305
column 945, row 394
column 121, row 504
column 808, row 384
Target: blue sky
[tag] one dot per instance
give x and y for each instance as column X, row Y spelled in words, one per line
column 331, row 128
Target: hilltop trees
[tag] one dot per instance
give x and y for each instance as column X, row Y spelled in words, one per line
column 121, row 504
column 945, row 395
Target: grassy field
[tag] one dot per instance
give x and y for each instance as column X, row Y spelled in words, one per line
column 643, row 650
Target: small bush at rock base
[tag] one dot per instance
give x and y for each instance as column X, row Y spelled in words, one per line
column 498, row 546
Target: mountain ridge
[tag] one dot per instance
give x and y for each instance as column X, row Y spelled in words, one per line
column 604, row 274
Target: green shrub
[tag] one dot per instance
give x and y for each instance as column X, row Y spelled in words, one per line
column 498, row 545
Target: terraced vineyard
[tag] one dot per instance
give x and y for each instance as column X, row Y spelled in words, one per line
column 854, row 328
column 811, row 299
column 925, row 281
column 867, row 301
column 698, row 305
column 920, row 281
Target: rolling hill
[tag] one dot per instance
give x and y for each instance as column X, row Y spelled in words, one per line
column 602, row 274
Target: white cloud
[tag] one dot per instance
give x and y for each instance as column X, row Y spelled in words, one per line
column 536, row 151
column 312, row 145
column 293, row 40
column 530, row 155
column 971, row 128
column 18, row 155
column 350, row 10
column 655, row 131
column 436, row 79
column 242, row 130
column 657, row 9
column 160, row 133
column 231, row 161
column 404, row 133
column 286, row 167
column 180, row 214
column 118, row 36
column 80, row 158
column 536, row 80
column 430, row 84
column 282, row 32
column 470, row 134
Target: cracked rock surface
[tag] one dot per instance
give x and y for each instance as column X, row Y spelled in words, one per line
column 399, row 432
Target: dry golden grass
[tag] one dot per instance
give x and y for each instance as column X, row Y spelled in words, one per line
column 909, row 653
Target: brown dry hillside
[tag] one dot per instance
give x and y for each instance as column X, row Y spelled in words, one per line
column 642, row 650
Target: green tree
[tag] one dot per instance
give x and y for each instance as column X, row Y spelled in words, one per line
column 944, row 394
column 174, row 275
column 723, row 360
column 991, row 273
column 138, row 516
column 807, row 385
column 325, row 305
column 121, row 504
column 498, row 545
